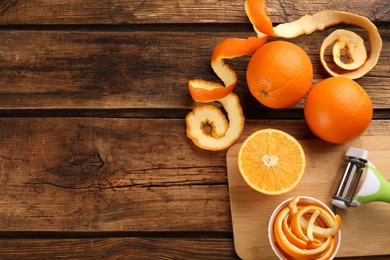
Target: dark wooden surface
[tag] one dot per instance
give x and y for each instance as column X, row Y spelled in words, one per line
column 94, row 160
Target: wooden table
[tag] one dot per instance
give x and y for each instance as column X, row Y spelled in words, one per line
column 95, row 162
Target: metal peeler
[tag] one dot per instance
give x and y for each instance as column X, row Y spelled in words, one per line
column 374, row 187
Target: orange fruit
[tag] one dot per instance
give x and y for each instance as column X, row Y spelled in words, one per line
column 338, row 110
column 271, row 161
column 279, row 74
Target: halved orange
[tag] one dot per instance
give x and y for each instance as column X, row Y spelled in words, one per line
column 271, row 161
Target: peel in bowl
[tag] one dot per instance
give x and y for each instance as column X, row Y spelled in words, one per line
column 303, row 201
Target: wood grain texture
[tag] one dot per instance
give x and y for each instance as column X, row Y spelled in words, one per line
column 172, row 11
column 136, row 69
column 118, row 175
column 125, row 248
column 119, row 248
column 93, row 174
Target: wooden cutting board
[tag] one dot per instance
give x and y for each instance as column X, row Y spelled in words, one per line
column 365, row 230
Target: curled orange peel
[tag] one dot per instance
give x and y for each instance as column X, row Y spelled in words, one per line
column 257, row 14
column 293, row 205
column 347, row 40
column 305, row 242
column 310, row 226
column 330, row 251
column 206, row 91
column 299, row 224
column 292, row 238
column 224, row 132
column 293, row 250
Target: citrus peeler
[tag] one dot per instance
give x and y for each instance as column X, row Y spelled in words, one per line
column 374, row 187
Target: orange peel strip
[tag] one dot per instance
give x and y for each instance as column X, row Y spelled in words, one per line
column 310, row 225
column 352, row 43
column 224, row 133
column 315, row 247
column 207, row 91
column 330, row 251
column 291, row 249
column 330, row 230
column 292, row 238
column 293, row 205
column 256, row 12
column 299, row 223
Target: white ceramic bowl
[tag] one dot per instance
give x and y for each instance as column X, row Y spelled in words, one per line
column 305, row 200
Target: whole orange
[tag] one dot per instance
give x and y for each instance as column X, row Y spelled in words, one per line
column 279, row 74
column 338, row 110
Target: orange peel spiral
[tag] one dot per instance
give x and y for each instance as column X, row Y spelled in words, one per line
column 207, row 91
column 355, row 49
column 313, row 238
column 223, row 133
column 293, row 250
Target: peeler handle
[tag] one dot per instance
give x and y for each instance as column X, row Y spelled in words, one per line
column 374, row 188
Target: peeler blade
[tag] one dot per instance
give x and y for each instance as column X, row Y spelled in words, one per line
column 348, row 178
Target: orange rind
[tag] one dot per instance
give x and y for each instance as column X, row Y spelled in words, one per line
column 329, row 225
column 206, row 91
column 330, row 251
column 315, row 239
column 257, row 15
column 355, row 49
column 292, row 238
column 352, row 43
column 292, row 250
column 224, row 132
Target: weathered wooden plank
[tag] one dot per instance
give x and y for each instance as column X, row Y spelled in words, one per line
column 108, row 175
column 118, row 248
column 125, row 248
column 136, row 69
column 172, row 11
column 91, row 174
